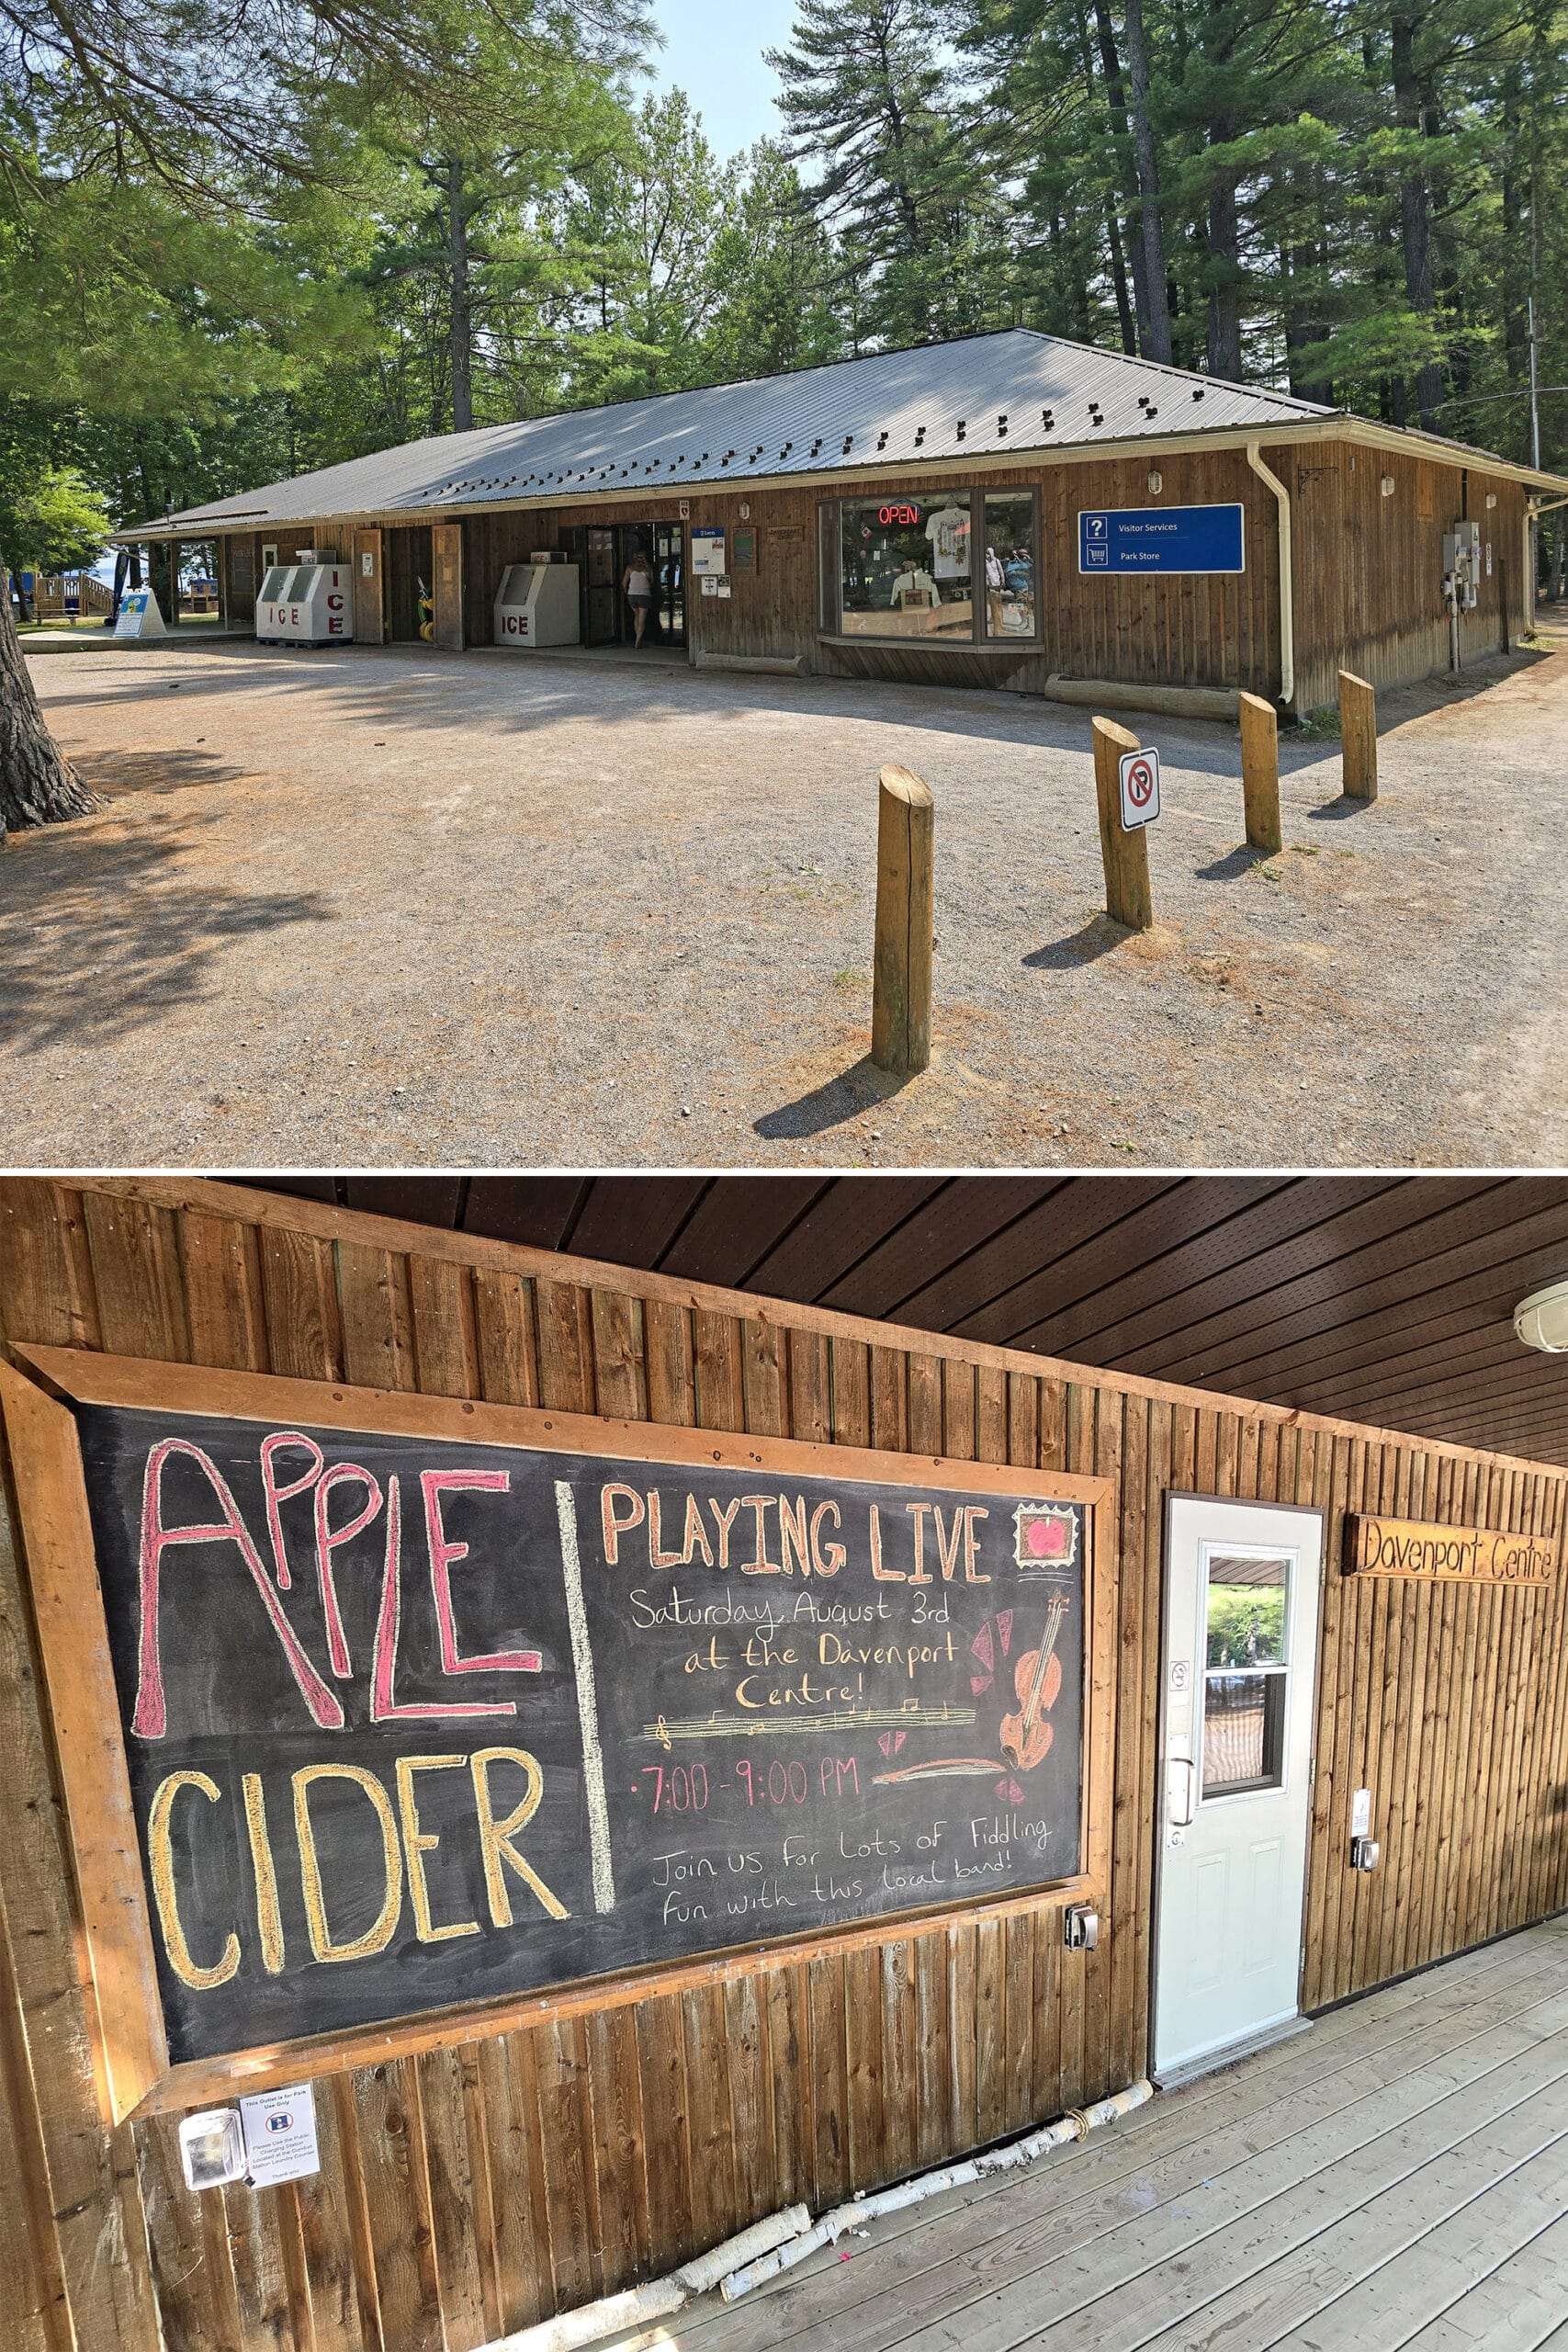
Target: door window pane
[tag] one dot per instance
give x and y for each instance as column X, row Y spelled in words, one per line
column 905, row 567
column 1243, row 1732
column 1010, row 605
column 1248, row 1593
column 1246, row 1677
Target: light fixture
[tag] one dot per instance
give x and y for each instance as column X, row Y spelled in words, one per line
column 1387, row 485
column 1157, row 483
column 1491, row 500
column 1541, row 1319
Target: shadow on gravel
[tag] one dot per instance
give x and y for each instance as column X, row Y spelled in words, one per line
column 1233, row 863
column 844, row 1097
column 1334, row 812
column 1099, row 936
column 107, row 929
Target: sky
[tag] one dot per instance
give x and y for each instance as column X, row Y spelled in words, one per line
column 713, row 51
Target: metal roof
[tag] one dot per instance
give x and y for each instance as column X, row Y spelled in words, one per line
column 999, row 395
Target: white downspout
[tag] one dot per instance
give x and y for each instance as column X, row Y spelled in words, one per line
column 1287, row 600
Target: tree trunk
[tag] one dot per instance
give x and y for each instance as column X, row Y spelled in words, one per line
column 462, row 304
column 1115, row 99
column 37, row 783
column 1302, row 264
column 1156, row 343
column 1224, row 263
column 1119, row 279
column 1412, row 109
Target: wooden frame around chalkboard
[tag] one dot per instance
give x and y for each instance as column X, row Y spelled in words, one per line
column 72, row 1636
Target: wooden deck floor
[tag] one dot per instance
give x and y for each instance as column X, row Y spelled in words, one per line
column 1394, row 2176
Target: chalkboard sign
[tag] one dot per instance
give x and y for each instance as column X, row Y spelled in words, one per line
column 411, row 1721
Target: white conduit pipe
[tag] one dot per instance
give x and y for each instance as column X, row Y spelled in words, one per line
column 777, row 2244
column 659, row 2297
column 1074, row 2125
column 1287, row 575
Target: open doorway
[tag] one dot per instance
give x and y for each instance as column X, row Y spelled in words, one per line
column 408, row 574
column 601, row 552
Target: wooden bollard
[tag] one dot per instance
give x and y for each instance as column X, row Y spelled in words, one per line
column 1125, row 855
column 901, row 969
column 1357, row 737
column 1260, row 774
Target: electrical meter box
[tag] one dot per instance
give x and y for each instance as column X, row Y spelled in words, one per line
column 1462, row 561
column 537, row 604
column 306, row 603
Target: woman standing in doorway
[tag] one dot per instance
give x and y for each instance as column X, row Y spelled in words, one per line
column 637, row 582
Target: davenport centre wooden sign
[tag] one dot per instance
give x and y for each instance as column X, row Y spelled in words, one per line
column 371, row 1705
column 1411, row 1547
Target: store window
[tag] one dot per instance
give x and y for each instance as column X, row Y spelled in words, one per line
column 907, row 568
column 1009, row 565
column 904, row 567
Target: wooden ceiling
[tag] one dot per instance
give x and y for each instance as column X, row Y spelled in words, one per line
column 1381, row 1299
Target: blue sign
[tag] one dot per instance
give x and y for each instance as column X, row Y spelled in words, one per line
column 1161, row 538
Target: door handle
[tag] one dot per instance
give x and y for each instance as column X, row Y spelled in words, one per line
column 1182, row 1764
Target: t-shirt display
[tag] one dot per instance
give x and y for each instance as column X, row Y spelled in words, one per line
column 948, row 531
column 904, row 568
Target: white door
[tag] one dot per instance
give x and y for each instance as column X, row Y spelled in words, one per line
column 1241, row 1589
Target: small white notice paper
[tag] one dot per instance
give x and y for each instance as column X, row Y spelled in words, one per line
column 281, row 2135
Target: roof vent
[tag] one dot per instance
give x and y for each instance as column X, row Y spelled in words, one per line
column 882, row 440
column 1198, row 392
column 919, row 435
column 849, row 439
column 1153, row 410
column 1001, row 424
column 962, row 428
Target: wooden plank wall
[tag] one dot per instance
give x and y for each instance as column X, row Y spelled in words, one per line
column 1368, row 570
column 1187, row 631
column 471, row 2190
column 1368, row 574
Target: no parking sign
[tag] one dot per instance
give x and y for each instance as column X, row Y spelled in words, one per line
column 1140, row 788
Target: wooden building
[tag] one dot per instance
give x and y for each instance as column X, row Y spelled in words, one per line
column 1010, row 509
column 1322, row 1356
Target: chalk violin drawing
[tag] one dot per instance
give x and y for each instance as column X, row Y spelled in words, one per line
column 1037, row 1680
column 1046, row 1538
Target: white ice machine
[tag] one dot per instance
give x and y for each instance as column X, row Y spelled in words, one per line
column 538, row 606
column 306, row 603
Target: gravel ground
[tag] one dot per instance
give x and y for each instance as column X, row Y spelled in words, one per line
column 382, row 907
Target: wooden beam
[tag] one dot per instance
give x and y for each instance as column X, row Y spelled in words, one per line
column 1125, row 855
column 901, row 983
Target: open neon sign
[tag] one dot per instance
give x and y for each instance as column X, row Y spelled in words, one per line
column 899, row 513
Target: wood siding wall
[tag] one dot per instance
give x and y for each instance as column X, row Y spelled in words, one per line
column 472, row 2189
column 1187, row 631
column 1368, row 570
